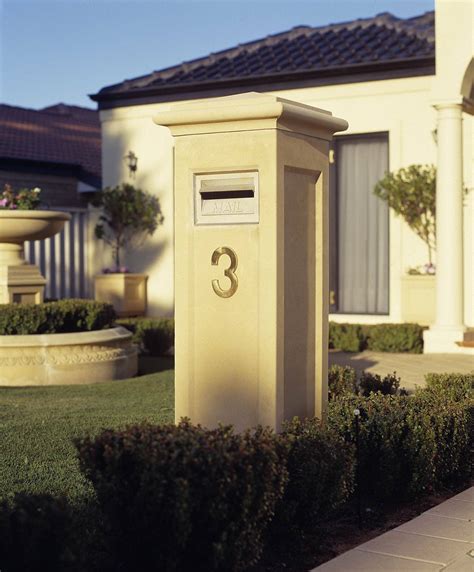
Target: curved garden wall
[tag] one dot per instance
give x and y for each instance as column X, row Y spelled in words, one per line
column 67, row 359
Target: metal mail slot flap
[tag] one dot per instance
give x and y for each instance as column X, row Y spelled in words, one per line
column 228, row 198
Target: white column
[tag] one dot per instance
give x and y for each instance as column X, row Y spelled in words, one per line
column 449, row 327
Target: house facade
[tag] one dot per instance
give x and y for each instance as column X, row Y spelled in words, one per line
column 406, row 89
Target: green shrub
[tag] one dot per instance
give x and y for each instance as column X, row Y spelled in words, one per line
column 128, row 216
column 320, row 478
column 175, row 497
column 34, row 533
column 372, row 383
column 450, row 425
column 154, row 336
column 63, row 316
column 407, row 445
column 453, row 386
column 395, row 338
column 383, row 468
column 341, row 381
column 346, row 337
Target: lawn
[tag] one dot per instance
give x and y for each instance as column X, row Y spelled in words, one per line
column 37, row 425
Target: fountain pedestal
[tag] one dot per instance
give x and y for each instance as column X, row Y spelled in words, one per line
column 21, row 282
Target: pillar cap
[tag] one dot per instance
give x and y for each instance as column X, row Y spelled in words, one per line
column 248, row 112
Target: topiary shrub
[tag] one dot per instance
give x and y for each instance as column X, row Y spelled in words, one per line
column 154, row 336
column 63, row 316
column 174, row 496
column 341, row 381
column 128, row 216
column 395, row 338
column 320, row 479
column 411, row 193
column 34, row 531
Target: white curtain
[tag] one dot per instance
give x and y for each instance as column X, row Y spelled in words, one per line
column 363, row 261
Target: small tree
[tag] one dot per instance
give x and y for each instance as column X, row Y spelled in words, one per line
column 411, row 193
column 128, row 216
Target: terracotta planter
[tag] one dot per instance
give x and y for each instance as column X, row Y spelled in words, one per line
column 19, row 281
column 419, row 299
column 127, row 292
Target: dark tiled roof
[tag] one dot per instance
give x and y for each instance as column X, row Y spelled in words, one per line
column 63, row 134
column 347, row 47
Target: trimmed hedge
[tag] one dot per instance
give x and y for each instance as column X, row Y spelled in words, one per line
column 408, row 445
column 34, row 533
column 396, row 338
column 454, row 386
column 171, row 496
column 154, row 336
column 320, row 478
column 63, row 316
column 342, row 381
column 179, row 496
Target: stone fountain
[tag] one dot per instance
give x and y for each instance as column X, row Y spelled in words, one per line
column 21, row 282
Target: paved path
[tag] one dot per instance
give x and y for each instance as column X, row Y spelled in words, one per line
column 411, row 368
column 441, row 538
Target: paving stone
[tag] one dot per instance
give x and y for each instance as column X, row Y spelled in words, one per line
column 368, row 561
column 440, row 527
column 463, row 564
column 425, row 548
column 411, row 368
column 463, row 510
column 465, row 495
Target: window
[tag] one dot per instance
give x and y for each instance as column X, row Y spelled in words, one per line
column 359, row 240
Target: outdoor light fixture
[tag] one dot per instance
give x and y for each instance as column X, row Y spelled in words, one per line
column 132, row 161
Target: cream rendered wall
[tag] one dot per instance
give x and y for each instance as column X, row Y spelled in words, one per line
column 402, row 107
column 133, row 129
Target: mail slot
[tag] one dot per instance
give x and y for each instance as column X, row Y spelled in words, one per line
column 226, row 198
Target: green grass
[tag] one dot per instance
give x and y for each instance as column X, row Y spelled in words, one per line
column 37, row 425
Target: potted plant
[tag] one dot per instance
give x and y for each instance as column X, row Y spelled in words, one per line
column 411, row 193
column 22, row 220
column 128, row 216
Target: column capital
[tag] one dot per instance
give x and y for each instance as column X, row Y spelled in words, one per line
column 442, row 104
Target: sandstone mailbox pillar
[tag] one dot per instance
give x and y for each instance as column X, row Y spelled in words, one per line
column 251, row 248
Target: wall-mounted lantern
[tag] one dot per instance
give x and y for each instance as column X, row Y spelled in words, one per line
column 132, row 160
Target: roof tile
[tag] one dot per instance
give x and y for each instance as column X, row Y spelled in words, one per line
column 63, row 134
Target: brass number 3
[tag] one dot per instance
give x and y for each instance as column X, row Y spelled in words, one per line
column 229, row 272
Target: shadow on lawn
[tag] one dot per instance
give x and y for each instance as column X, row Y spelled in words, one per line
column 149, row 364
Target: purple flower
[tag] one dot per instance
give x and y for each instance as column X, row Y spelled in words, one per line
column 3, row 202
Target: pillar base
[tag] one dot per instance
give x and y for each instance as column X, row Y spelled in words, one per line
column 21, row 284
column 443, row 340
